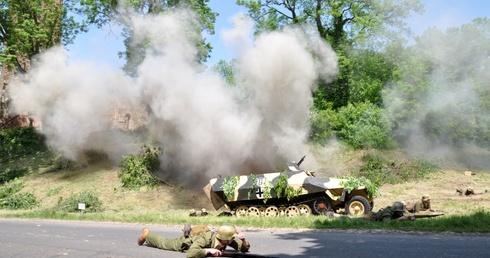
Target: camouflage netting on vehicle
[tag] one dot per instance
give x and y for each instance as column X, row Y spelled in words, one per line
column 290, row 193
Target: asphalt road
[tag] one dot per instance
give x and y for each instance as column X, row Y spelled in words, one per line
column 49, row 238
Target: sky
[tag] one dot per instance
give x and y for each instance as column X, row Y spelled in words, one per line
column 102, row 45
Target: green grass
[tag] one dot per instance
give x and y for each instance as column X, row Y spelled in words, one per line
column 477, row 222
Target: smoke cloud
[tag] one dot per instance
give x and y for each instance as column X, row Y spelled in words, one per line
column 450, row 101
column 204, row 126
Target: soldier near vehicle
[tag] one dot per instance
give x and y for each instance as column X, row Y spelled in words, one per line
column 393, row 212
column 198, row 241
column 421, row 205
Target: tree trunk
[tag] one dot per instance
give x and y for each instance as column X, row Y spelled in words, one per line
column 5, row 77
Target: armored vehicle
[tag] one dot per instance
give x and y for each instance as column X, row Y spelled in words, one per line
column 292, row 192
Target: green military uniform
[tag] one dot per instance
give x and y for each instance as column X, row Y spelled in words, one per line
column 194, row 247
column 179, row 244
column 384, row 214
column 388, row 213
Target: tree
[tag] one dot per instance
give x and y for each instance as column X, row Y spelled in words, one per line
column 105, row 11
column 371, row 70
column 226, row 70
column 27, row 27
column 440, row 86
column 345, row 24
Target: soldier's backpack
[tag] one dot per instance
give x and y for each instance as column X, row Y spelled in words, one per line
column 199, row 229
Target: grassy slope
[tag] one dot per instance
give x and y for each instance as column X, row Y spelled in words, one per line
column 170, row 204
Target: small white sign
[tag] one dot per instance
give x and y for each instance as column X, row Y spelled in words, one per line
column 81, row 206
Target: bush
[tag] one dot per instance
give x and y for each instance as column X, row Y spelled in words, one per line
column 380, row 169
column 89, row 198
column 11, row 188
column 11, row 174
column 364, row 125
column 20, row 141
column 138, row 170
column 321, row 125
column 20, row 201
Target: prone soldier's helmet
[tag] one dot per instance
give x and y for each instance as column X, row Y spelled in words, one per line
column 425, row 197
column 398, row 206
column 226, row 232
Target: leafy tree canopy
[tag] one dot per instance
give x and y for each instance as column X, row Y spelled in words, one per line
column 101, row 12
column 338, row 21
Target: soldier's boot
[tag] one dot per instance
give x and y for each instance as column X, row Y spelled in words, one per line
column 187, row 230
column 459, row 191
column 142, row 237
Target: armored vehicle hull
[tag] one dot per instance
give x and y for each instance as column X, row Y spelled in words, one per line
column 289, row 193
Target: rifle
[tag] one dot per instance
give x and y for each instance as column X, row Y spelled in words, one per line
column 427, row 214
column 241, row 255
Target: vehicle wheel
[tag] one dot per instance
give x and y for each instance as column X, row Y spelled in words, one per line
column 321, row 206
column 271, row 211
column 253, row 212
column 304, row 210
column 241, row 211
column 292, row 211
column 358, row 205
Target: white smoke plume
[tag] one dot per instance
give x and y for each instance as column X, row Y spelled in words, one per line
column 205, row 127
column 239, row 37
column 453, row 97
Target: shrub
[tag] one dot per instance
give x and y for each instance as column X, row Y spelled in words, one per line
column 20, row 141
column 89, row 198
column 11, row 188
column 380, row 169
column 138, row 170
column 321, row 125
column 12, row 200
column 364, row 125
column 11, row 173
column 20, row 201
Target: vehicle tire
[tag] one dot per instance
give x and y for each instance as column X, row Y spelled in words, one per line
column 292, row 211
column 304, row 210
column 253, row 212
column 272, row 211
column 241, row 211
column 321, row 206
column 357, row 206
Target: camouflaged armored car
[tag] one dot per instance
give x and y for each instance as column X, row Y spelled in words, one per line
column 292, row 192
